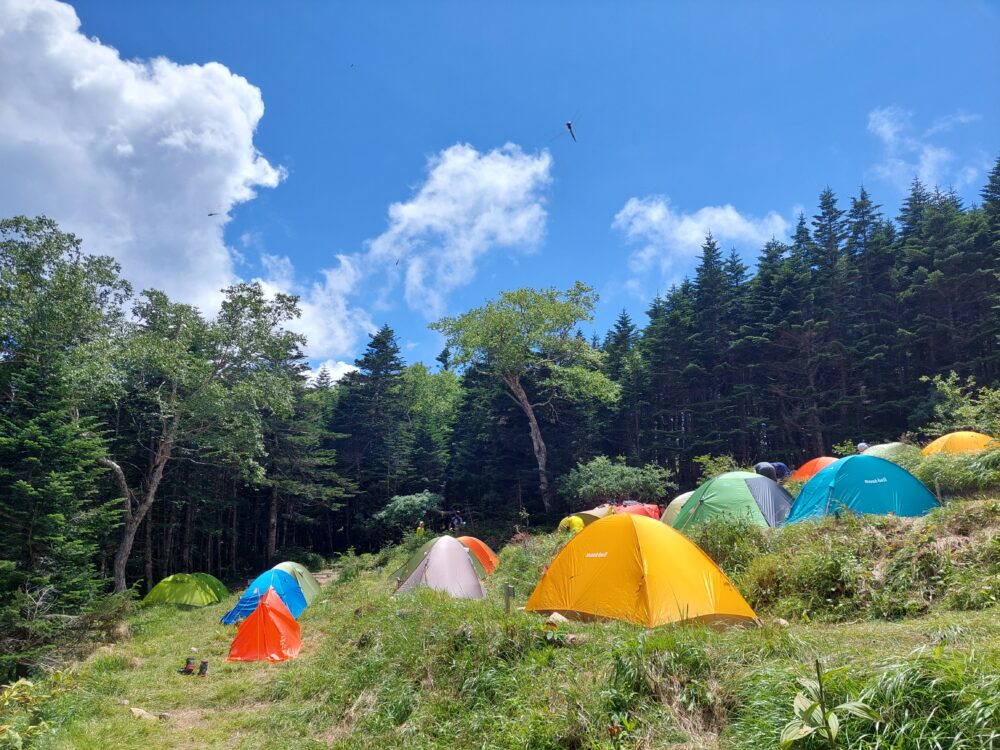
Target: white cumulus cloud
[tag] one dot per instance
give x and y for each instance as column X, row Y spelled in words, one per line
column 337, row 369
column 130, row 155
column 906, row 155
column 669, row 239
column 470, row 204
column 331, row 324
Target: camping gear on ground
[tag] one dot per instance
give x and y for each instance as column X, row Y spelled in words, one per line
column 573, row 524
column 188, row 667
column 632, row 568
column 781, row 470
column 963, row 441
column 190, row 589
column 444, row 564
column 649, row 510
column 862, row 484
column 203, row 668
column 482, row 551
column 741, row 494
column 812, row 467
column 766, row 470
column 893, row 451
column 284, row 586
column 674, row 507
column 270, row 633
column 302, row 576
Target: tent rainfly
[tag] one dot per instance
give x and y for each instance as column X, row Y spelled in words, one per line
column 302, row 576
column 270, row 633
column 958, row 442
column 862, row 484
column 444, row 564
column 189, row 589
column 638, row 570
column 284, row 586
column 744, row 494
column 481, row 550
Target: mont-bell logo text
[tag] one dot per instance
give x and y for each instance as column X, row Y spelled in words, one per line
column 597, row 554
column 880, row 480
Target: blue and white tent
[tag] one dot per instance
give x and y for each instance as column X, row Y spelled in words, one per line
column 285, row 586
column 862, row 484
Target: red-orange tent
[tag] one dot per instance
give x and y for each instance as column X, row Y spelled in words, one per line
column 811, row 468
column 270, row 633
column 649, row 510
column 482, row 551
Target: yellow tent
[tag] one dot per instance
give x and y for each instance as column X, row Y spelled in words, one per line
column 572, row 524
column 633, row 568
column 671, row 512
column 577, row 521
column 958, row 442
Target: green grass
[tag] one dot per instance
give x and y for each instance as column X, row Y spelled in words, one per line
column 425, row 671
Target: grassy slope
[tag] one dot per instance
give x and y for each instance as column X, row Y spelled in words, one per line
column 424, row 671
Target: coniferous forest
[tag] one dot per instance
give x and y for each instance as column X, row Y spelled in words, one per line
column 141, row 437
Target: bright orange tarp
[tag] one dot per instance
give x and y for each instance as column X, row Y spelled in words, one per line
column 482, row 551
column 811, row 468
column 270, row 633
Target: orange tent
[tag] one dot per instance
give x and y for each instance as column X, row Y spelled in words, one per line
column 482, row 551
column 270, row 633
column 649, row 510
column 811, row 468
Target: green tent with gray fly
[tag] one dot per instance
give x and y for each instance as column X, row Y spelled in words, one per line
column 736, row 494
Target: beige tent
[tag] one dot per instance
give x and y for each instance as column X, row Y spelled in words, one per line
column 445, row 565
column 674, row 508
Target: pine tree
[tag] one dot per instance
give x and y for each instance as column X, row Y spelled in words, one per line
column 371, row 412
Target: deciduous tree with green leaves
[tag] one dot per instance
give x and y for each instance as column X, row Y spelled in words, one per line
column 195, row 389
column 532, row 333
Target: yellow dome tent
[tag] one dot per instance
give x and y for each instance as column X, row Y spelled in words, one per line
column 573, row 524
column 636, row 569
column 958, row 442
column 577, row 521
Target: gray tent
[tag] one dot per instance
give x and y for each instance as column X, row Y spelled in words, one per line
column 445, row 565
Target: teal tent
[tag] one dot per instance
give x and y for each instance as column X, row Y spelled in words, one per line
column 862, row 484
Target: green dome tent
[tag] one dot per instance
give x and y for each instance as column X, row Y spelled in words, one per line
column 190, row 589
column 302, row 576
column 736, row 493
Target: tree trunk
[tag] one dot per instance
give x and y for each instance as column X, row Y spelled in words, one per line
column 134, row 516
column 148, row 552
column 272, row 524
column 517, row 393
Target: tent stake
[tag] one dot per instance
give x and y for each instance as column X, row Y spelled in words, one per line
column 508, row 594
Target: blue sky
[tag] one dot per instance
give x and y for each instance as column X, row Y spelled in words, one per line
column 689, row 116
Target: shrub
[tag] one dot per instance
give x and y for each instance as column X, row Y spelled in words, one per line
column 307, row 558
column 712, row 466
column 733, row 542
column 602, row 480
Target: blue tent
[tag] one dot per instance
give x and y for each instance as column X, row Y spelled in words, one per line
column 284, row 585
column 862, row 484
